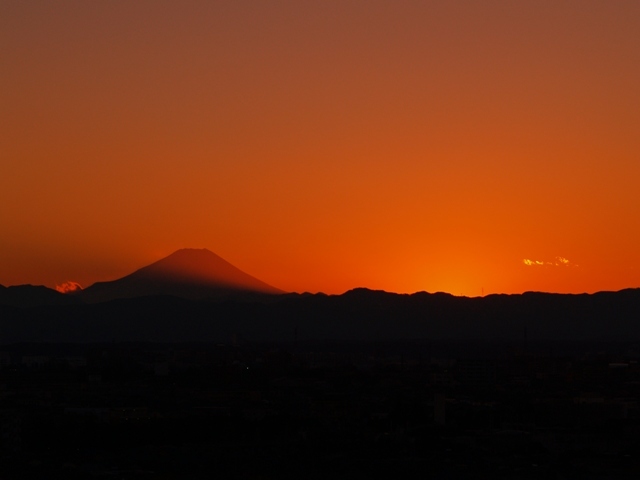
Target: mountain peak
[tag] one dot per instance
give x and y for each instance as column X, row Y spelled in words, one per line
column 191, row 251
column 189, row 273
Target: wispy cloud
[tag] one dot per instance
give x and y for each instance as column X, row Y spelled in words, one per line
column 556, row 262
column 532, row 263
column 68, row 287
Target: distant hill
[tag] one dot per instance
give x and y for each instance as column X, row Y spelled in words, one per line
column 188, row 273
column 33, row 296
column 358, row 315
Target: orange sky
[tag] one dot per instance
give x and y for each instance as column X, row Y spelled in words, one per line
column 321, row 146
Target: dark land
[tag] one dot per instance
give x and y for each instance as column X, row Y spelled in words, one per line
column 238, row 383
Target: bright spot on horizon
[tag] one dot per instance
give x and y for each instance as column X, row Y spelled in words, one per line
column 68, row 287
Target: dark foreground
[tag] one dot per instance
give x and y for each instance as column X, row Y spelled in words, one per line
column 439, row 410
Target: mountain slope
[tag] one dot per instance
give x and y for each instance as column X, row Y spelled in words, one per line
column 187, row 273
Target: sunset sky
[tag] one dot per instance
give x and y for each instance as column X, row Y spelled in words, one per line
column 461, row 146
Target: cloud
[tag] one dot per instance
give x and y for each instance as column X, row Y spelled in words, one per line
column 556, row 262
column 533, row 263
column 68, row 287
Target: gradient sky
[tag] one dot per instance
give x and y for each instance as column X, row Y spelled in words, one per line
column 459, row 146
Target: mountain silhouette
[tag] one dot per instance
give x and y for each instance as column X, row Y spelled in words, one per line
column 33, row 296
column 188, row 273
column 359, row 315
